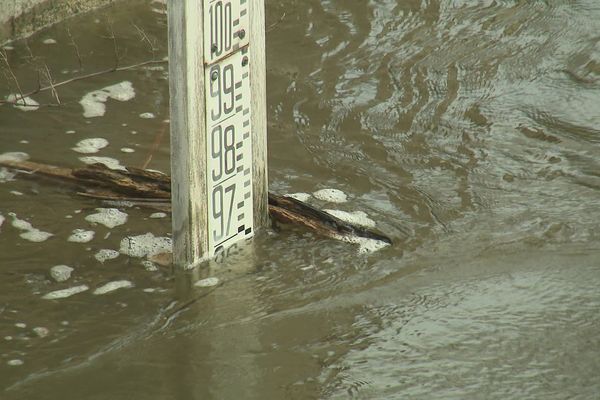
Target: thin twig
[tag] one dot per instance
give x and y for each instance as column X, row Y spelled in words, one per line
column 115, row 46
column 4, row 57
column 273, row 25
column 81, row 77
column 75, row 47
column 51, row 83
column 146, row 39
column 155, row 145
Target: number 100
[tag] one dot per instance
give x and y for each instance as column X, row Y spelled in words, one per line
column 221, row 27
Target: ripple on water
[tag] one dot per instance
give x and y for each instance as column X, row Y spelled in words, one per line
column 480, row 338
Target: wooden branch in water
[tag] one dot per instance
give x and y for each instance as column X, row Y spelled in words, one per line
column 153, row 190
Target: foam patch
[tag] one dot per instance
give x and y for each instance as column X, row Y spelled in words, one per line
column 92, row 145
column 109, row 217
column 93, row 103
column 32, row 234
column 331, row 195
column 112, row 286
column 81, row 236
column 365, row 245
column 61, row 273
column 299, row 196
column 64, row 293
column 23, row 103
column 109, row 162
column 6, row 175
column 356, row 218
column 208, row 282
column 145, row 245
column 14, row 156
column 106, row 254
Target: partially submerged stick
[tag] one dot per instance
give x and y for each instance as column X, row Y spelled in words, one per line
column 153, row 189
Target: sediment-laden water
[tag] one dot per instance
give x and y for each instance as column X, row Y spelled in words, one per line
column 468, row 131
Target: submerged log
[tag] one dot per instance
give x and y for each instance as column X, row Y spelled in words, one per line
column 153, row 189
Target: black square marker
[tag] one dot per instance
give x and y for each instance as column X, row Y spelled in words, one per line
column 248, row 231
column 241, row 228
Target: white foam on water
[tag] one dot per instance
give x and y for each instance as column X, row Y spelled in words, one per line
column 93, row 103
column 64, row 293
column 207, row 282
column 1, row 219
column 49, row 41
column 21, row 325
column 15, row 363
column 23, row 103
column 331, row 195
column 112, row 286
column 111, row 163
column 32, row 234
column 145, row 245
column 147, row 115
column 91, row 145
column 366, row 245
column 36, row 236
column 14, row 156
column 356, row 217
column 61, row 273
column 109, row 217
column 149, row 266
column 106, row 254
column 299, row 196
column 81, row 236
column 127, row 150
column 16, row 193
column 20, row 224
column 24, row 141
column 6, row 175
column 70, row 132
column 41, row 331
column 158, row 215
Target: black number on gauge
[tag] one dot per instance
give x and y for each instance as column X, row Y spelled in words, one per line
column 222, row 90
column 221, row 27
column 223, row 151
column 219, row 203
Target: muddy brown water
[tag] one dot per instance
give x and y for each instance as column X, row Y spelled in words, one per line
column 469, row 131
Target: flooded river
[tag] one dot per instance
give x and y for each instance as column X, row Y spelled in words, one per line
column 468, row 131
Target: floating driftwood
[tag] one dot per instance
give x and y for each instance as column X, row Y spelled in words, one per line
column 153, row 189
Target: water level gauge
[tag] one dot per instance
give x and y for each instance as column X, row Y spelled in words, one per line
column 229, row 150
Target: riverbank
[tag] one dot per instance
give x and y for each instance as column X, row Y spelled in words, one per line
column 20, row 18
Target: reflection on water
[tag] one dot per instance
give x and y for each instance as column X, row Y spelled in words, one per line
column 467, row 130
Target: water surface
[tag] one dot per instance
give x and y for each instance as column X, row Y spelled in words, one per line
column 469, row 131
